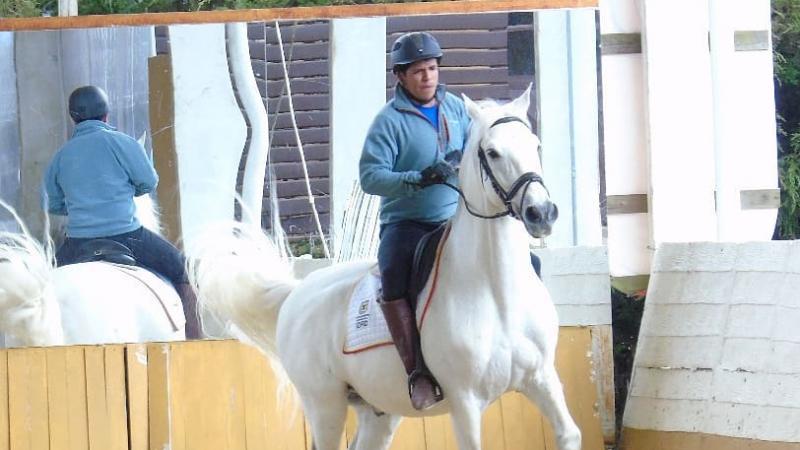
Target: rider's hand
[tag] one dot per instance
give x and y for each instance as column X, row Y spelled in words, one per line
column 438, row 173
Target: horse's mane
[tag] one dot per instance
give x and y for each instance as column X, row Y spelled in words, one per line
column 26, row 268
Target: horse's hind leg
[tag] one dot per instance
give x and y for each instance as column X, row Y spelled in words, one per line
column 546, row 391
column 326, row 415
column 375, row 429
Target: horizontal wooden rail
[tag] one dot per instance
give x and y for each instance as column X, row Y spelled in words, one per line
column 299, row 13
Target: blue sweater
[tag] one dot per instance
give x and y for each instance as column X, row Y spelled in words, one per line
column 401, row 142
column 93, row 178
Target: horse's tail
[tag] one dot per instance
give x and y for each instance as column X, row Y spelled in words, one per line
column 241, row 281
column 29, row 312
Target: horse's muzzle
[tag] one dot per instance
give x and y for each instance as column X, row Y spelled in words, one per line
column 539, row 219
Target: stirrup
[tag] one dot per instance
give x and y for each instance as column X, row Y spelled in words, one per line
column 438, row 395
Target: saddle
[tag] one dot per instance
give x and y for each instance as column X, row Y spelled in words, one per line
column 424, row 257
column 105, row 250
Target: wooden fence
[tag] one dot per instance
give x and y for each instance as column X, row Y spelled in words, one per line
column 220, row 395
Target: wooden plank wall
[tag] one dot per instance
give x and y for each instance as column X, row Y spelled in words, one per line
column 307, row 53
column 476, row 63
column 219, row 395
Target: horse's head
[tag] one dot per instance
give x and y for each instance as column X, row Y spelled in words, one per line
column 502, row 164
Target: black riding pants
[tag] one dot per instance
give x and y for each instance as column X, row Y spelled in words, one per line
column 396, row 255
column 150, row 250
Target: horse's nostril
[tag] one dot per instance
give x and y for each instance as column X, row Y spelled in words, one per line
column 552, row 212
column 532, row 215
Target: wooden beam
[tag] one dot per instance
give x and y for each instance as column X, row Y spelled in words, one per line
column 299, row 13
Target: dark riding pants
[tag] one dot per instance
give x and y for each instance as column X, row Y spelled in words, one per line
column 149, row 249
column 396, row 255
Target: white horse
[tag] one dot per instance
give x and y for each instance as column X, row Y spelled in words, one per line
column 87, row 303
column 490, row 326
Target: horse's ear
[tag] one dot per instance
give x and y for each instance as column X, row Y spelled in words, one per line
column 472, row 108
column 523, row 102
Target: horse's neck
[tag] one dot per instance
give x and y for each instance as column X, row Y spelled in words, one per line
column 492, row 251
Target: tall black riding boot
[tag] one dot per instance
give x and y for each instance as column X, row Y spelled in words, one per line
column 422, row 387
column 194, row 329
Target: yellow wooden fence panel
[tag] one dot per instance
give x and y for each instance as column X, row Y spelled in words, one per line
column 27, row 399
column 137, row 392
column 222, row 395
column 4, row 431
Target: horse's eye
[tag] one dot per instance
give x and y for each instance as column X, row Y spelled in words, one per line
column 493, row 153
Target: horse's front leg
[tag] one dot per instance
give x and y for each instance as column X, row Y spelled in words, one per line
column 545, row 390
column 466, row 416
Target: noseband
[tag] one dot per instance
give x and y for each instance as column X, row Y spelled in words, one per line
column 522, row 183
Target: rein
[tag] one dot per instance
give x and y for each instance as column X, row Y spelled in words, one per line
column 522, row 183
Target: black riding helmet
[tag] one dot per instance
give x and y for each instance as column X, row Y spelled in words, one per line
column 87, row 103
column 412, row 47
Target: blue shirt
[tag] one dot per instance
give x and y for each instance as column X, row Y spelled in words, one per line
column 431, row 112
column 93, row 178
column 400, row 143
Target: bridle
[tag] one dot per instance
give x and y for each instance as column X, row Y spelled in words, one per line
column 522, row 183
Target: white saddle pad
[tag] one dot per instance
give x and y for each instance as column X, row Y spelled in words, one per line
column 366, row 327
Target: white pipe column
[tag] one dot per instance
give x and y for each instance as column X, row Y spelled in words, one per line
column 568, row 104
column 358, row 92
column 67, row 8
column 258, row 151
column 724, row 106
column 626, row 173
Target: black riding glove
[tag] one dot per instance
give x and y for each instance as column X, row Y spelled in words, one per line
column 438, row 173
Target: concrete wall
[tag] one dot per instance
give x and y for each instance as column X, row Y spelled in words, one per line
column 9, row 131
column 718, row 348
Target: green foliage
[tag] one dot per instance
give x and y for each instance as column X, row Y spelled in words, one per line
column 19, row 8
column 626, row 319
column 310, row 246
column 31, row 8
column 786, row 52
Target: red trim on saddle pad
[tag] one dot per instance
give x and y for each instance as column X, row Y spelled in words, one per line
column 369, row 347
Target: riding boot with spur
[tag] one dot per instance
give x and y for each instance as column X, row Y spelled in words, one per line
column 193, row 328
column 422, row 386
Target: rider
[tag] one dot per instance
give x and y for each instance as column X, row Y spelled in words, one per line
column 405, row 161
column 92, row 180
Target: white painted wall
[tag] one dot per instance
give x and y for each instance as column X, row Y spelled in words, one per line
column 567, row 89
column 209, row 128
column 679, row 120
column 719, row 343
column 358, row 92
column 688, row 125
column 750, row 153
